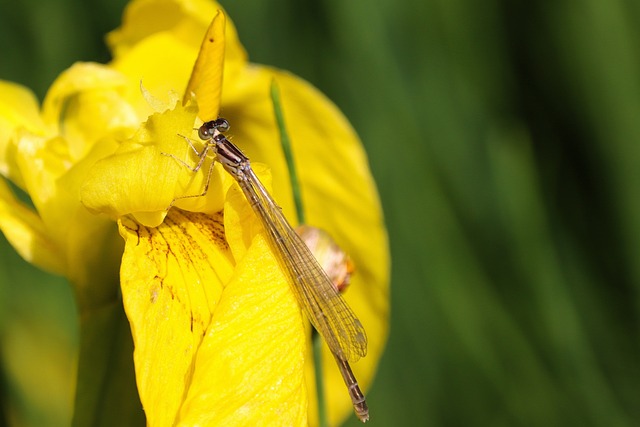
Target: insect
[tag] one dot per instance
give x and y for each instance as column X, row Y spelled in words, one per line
column 320, row 299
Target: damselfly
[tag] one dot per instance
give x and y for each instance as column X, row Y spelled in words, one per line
column 320, row 299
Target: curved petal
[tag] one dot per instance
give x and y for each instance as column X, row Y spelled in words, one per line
column 249, row 369
column 172, row 278
column 19, row 109
column 218, row 342
column 205, row 82
column 151, row 172
column 338, row 194
column 161, row 64
column 42, row 161
column 84, row 243
column 80, row 77
column 91, row 115
column 186, row 19
column 86, row 103
column 26, row 232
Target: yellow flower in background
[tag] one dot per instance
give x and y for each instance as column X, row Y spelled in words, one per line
column 219, row 338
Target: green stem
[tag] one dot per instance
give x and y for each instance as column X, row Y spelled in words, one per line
column 288, row 153
column 297, row 199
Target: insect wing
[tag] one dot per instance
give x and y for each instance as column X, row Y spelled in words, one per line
column 324, row 306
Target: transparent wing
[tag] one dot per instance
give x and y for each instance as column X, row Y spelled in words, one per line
column 322, row 303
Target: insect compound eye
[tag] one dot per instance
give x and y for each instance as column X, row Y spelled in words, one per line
column 221, row 124
column 206, row 130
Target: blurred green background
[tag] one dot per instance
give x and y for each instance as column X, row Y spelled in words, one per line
column 505, row 140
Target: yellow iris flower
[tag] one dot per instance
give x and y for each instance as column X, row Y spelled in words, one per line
column 219, row 337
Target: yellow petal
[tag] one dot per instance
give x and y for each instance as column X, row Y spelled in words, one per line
column 162, row 64
column 85, row 104
column 338, row 194
column 19, row 109
column 91, row 115
column 187, row 20
column 250, row 366
column 81, row 77
column 240, row 221
column 143, row 180
column 172, row 278
column 27, row 234
column 83, row 243
column 42, row 162
column 206, row 78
